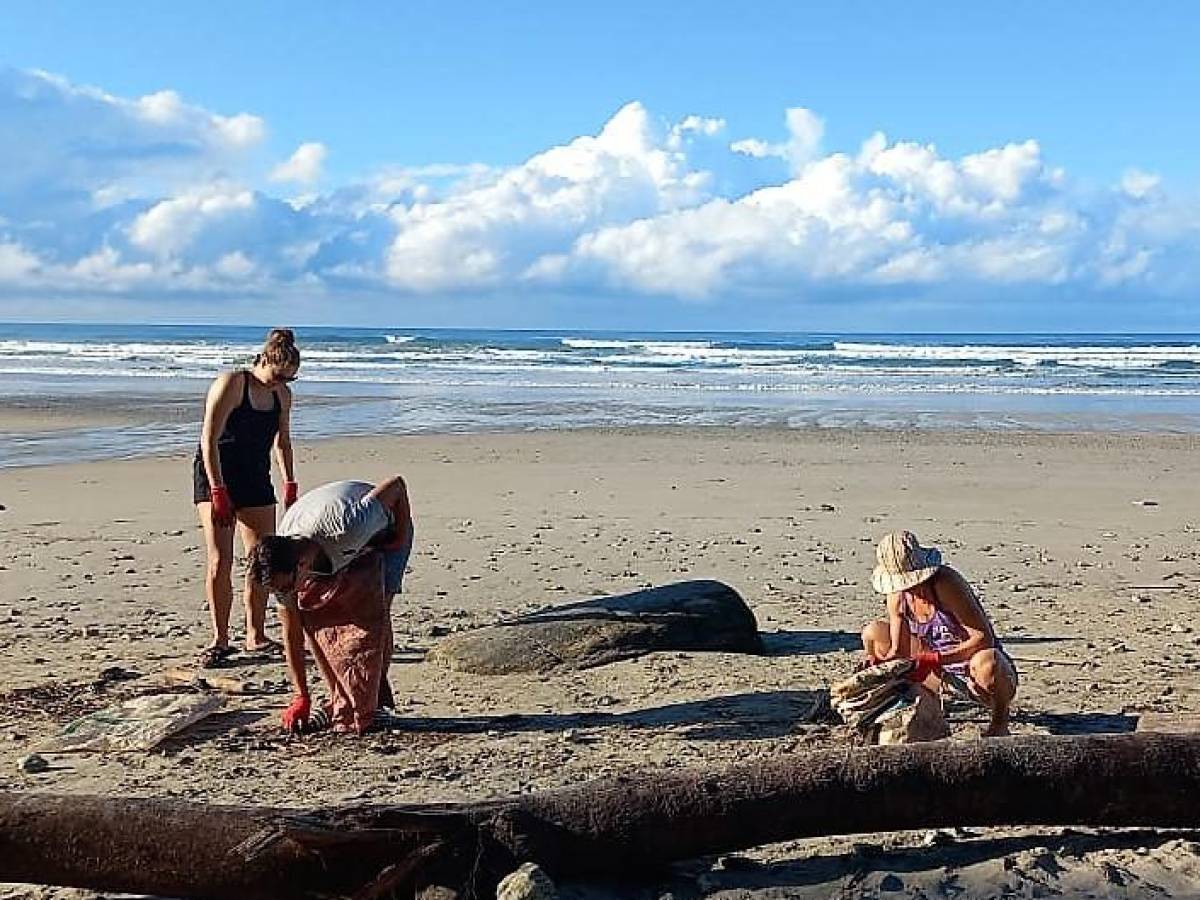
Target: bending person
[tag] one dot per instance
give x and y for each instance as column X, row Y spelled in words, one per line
column 935, row 618
column 334, row 567
column 247, row 413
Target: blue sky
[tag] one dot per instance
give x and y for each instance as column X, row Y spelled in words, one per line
column 622, row 164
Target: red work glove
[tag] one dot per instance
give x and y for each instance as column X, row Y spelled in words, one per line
column 222, row 506
column 291, row 492
column 927, row 664
column 296, row 716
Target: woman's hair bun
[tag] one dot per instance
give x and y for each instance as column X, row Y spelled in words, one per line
column 280, row 349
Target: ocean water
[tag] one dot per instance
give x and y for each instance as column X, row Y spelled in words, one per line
column 396, row 380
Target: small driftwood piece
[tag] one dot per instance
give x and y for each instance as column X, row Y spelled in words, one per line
column 179, row 676
column 188, row 850
column 1047, row 661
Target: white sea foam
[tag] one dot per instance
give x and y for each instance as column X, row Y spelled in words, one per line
column 108, row 350
column 844, row 356
column 1100, row 357
column 99, row 372
column 523, row 377
column 655, row 347
column 590, row 344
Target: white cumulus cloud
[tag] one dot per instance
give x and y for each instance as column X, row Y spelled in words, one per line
column 171, row 225
column 303, row 166
column 894, row 214
column 805, row 131
column 152, row 195
column 16, row 262
column 511, row 227
column 1139, row 184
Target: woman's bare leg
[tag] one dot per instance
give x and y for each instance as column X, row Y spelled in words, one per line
column 218, row 587
column 255, row 523
column 994, row 680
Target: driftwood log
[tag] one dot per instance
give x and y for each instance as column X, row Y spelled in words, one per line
column 686, row 615
column 190, row 850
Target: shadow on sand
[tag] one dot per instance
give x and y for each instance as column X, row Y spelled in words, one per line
column 214, row 726
column 769, row 714
column 1016, row 639
column 1081, row 723
column 808, row 643
column 957, row 854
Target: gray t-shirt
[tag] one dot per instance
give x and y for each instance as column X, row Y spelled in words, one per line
column 340, row 517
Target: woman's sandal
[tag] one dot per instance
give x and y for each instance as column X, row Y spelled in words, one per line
column 216, row 657
column 267, row 649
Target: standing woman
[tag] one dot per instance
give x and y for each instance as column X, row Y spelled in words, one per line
column 247, row 413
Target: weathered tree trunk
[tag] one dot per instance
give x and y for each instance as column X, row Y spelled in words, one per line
column 189, row 850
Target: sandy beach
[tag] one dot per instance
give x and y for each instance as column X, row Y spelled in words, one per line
column 681, row 333
column 1083, row 548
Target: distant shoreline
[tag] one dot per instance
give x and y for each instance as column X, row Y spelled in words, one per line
column 78, row 392
column 54, row 436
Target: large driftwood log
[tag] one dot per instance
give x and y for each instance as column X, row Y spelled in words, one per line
column 189, row 850
column 687, row 615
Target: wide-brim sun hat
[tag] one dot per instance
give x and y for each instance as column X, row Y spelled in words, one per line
column 902, row 563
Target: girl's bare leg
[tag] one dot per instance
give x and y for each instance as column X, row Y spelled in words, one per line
column 218, row 588
column 255, row 523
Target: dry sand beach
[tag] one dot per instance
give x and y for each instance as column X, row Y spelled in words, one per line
column 1083, row 548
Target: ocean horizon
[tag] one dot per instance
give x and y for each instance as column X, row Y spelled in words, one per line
column 394, row 380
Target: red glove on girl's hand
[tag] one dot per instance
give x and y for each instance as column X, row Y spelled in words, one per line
column 296, row 716
column 222, row 506
column 291, row 492
column 927, row 664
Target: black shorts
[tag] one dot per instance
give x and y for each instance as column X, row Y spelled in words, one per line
column 247, row 485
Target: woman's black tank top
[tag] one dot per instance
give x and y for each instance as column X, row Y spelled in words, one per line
column 249, row 432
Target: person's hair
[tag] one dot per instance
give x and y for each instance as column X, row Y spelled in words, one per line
column 273, row 555
column 279, row 350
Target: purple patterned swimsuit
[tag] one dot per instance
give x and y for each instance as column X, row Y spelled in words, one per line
column 941, row 634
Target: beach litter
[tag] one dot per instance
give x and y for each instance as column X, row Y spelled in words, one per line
column 181, row 677
column 32, row 764
column 140, row 723
column 885, row 708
